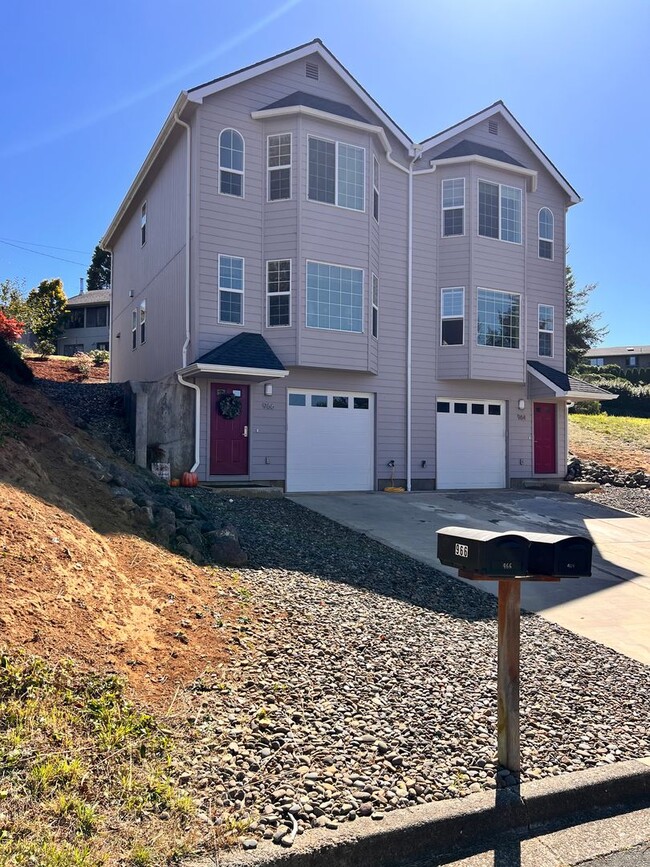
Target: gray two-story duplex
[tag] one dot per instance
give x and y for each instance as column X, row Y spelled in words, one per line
column 303, row 295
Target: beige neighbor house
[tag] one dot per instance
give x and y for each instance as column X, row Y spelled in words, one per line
column 304, row 296
column 623, row 356
column 86, row 324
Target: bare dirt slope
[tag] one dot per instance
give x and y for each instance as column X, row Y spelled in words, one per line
column 76, row 581
column 60, row 369
column 614, row 447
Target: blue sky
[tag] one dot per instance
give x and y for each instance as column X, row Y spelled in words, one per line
column 87, row 85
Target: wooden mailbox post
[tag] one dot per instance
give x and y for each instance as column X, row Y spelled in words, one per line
column 510, row 558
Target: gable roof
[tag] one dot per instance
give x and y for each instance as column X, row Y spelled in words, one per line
column 501, row 109
column 243, row 350
column 467, row 148
column 565, row 385
column 317, row 102
column 316, row 46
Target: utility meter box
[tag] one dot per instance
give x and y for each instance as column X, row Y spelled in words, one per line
column 483, row 551
column 560, row 556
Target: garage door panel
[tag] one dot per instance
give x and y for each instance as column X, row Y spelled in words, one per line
column 330, row 448
column 471, row 445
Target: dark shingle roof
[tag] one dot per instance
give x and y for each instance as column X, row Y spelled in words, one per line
column 299, row 97
column 467, row 148
column 565, row 381
column 244, row 350
column 96, row 296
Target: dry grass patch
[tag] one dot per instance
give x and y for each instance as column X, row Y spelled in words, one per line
column 618, row 441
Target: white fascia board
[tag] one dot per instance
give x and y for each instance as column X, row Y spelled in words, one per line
column 277, row 62
column 231, row 370
column 500, row 109
column 487, row 161
column 150, row 159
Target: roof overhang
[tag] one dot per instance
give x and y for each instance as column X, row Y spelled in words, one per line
column 500, row 109
column 488, row 161
column 233, row 372
column 571, row 394
column 145, row 168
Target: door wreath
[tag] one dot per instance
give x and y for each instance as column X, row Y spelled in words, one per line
column 229, row 406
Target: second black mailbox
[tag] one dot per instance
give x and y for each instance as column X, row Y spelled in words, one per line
column 561, row 556
column 482, row 551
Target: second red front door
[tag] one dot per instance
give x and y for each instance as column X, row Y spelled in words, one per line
column 228, row 430
column 544, row 433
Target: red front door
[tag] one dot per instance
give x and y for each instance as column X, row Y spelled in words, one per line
column 544, row 432
column 228, row 436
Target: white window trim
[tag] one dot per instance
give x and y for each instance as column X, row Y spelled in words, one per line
column 221, row 288
column 143, row 223
column 443, row 209
column 522, row 330
column 309, row 262
column 546, row 331
column 134, row 330
column 374, row 280
column 375, row 188
column 478, row 215
column 270, row 169
column 550, row 240
column 335, row 203
column 141, row 322
column 464, row 317
column 276, row 294
column 232, row 171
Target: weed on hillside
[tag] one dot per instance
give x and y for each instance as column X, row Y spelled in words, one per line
column 12, row 415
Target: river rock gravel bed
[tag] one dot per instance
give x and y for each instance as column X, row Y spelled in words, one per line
column 366, row 683
column 636, row 500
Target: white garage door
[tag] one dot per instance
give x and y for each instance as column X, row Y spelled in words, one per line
column 330, row 441
column 471, row 444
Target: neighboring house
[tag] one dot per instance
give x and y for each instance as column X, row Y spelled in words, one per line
column 87, row 323
column 623, row 356
column 338, row 306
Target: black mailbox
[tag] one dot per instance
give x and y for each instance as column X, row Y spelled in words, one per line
column 482, row 551
column 561, row 556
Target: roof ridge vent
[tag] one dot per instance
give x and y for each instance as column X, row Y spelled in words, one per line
column 493, row 127
column 311, row 70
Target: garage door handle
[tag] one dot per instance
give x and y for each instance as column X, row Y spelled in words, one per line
column 245, row 430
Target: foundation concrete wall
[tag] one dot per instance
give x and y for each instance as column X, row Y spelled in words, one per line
column 162, row 414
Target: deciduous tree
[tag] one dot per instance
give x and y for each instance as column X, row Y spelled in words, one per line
column 46, row 307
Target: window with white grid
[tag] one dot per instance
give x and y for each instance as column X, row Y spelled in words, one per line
column 545, row 248
column 499, row 211
column 231, row 290
column 231, row 163
column 452, row 316
column 336, row 174
column 278, row 291
column 546, row 327
column 453, row 207
column 334, row 297
column 279, row 166
column 498, row 318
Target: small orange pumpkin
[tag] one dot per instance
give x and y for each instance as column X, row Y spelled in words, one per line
column 175, row 483
column 189, row 480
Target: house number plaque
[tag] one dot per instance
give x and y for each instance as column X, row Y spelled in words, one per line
column 267, row 405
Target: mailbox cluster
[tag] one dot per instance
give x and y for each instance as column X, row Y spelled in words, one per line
column 517, row 554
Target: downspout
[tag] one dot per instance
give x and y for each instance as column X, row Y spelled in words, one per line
column 188, row 333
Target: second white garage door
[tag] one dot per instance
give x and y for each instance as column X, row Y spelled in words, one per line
column 470, row 444
column 330, row 441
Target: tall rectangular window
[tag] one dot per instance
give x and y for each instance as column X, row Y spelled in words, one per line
column 76, row 318
column 375, row 305
column 134, row 329
column 453, row 207
column 278, row 291
column 499, row 211
column 546, row 327
column 498, row 318
column 334, row 297
column 336, row 174
column 143, row 224
column 279, row 166
column 143, row 322
column 96, row 317
column 452, row 316
column 231, row 290
column 375, row 188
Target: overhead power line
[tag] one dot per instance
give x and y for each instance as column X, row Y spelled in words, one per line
column 48, row 246
column 39, row 253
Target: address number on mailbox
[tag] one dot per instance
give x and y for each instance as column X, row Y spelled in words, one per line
column 461, row 550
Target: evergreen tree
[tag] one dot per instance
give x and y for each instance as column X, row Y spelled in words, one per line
column 99, row 273
column 582, row 329
column 46, row 309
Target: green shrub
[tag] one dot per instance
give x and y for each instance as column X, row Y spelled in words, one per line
column 586, row 407
column 20, row 349
column 44, row 348
column 633, row 400
column 82, row 364
column 12, row 364
column 99, row 357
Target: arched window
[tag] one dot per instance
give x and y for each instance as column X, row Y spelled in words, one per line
column 231, row 163
column 545, row 250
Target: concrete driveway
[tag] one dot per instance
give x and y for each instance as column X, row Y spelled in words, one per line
column 612, row 607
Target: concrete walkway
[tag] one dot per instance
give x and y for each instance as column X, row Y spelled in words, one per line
column 612, row 607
